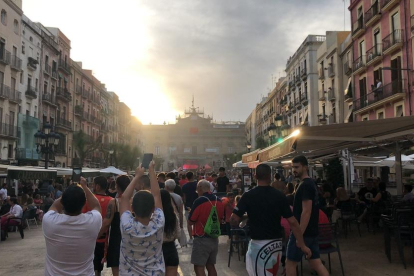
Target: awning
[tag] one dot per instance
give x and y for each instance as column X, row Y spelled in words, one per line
column 15, row 172
column 239, row 164
column 250, row 157
column 348, row 90
column 348, row 116
column 112, row 170
column 190, row 167
column 318, row 140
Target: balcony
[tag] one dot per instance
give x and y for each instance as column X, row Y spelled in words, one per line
column 359, row 65
column 27, row 154
column 62, row 123
column 321, row 73
column 9, row 131
column 64, row 66
column 54, row 74
column 47, row 69
column 48, row 98
column 390, row 92
column 104, row 128
column 373, row 14
column 374, row 55
column 322, row 96
column 85, row 94
column 297, row 80
column 31, row 92
column 78, row 110
column 386, row 5
column 86, row 116
column 5, row 57
column 12, row 95
column 292, row 85
column 304, row 74
column 358, row 28
column 331, row 70
column 331, row 95
column 78, row 90
column 393, row 42
column 32, row 64
column 304, row 98
column 16, row 63
column 347, row 68
column 63, row 94
column 298, row 103
column 322, row 119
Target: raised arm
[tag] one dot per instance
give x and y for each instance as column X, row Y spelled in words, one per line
column 125, row 200
column 92, row 201
column 155, row 188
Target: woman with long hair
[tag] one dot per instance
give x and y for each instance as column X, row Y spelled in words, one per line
column 112, row 220
column 171, row 231
column 341, row 200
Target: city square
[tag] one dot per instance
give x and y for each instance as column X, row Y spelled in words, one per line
column 144, row 137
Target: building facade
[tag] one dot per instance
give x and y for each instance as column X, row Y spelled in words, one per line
column 346, row 58
column 194, row 141
column 382, row 58
column 10, row 77
column 302, row 103
column 331, row 96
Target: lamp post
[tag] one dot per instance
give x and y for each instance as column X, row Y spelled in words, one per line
column 46, row 142
column 249, row 147
column 272, row 132
column 110, row 157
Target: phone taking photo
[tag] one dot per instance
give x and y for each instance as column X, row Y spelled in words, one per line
column 76, row 174
column 147, row 160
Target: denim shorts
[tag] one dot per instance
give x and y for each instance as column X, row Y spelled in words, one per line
column 295, row 254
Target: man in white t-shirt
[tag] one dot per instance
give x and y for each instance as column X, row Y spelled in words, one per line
column 70, row 235
column 3, row 193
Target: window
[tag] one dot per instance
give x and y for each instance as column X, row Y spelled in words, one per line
column 16, row 26
column 31, row 39
column 157, row 150
column 4, row 17
column 23, row 49
column 399, row 112
column 364, row 118
column 21, row 77
column 35, row 112
column 10, row 151
column 380, row 115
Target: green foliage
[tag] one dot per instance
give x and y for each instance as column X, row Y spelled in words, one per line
column 84, row 144
column 124, row 156
column 334, row 173
column 260, row 143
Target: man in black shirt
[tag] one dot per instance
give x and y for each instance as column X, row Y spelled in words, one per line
column 189, row 195
column 368, row 192
column 265, row 206
column 223, row 183
column 306, row 211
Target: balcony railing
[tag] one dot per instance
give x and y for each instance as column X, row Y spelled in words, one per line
column 347, row 67
column 10, row 94
column 379, row 94
column 31, row 92
column 372, row 12
column 359, row 63
column 5, row 57
column 322, row 95
column 303, row 73
column 64, row 65
column 8, row 130
column 29, row 154
column 63, row 122
column 388, row 4
column 297, row 79
column 304, row 98
column 321, row 73
column 47, row 69
column 32, row 63
column 48, row 98
column 331, row 70
column 16, row 63
column 78, row 89
column 358, row 25
column 63, row 93
column 54, row 74
column 85, row 94
column 291, row 84
column 331, row 94
column 78, row 110
column 394, row 38
column 374, row 52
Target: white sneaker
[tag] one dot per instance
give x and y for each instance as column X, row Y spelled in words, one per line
column 190, row 242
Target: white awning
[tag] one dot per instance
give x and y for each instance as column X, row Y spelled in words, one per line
column 348, row 87
column 348, row 115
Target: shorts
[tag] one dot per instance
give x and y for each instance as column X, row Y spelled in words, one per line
column 170, row 254
column 204, row 251
column 99, row 255
column 295, row 254
column 264, row 256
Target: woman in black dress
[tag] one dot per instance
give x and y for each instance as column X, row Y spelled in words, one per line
column 111, row 223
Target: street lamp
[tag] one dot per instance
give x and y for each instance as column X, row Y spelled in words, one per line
column 46, row 142
column 272, row 132
column 278, row 120
column 110, row 157
column 249, row 147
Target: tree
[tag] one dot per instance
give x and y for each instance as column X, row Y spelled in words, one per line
column 260, row 143
column 84, row 145
column 158, row 162
column 334, row 173
column 124, row 156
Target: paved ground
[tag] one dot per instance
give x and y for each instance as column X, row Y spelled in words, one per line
column 361, row 257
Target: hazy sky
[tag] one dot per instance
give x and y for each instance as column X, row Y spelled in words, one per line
column 156, row 54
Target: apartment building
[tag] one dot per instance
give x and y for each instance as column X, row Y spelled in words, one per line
column 302, row 103
column 346, row 59
column 10, row 77
column 331, row 96
column 382, row 58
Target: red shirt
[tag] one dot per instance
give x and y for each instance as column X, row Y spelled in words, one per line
column 201, row 210
column 182, row 182
column 103, row 201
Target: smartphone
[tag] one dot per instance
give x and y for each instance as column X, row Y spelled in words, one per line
column 147, row 160
column 76, row 174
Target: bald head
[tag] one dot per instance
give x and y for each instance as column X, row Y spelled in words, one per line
column 203, row 186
